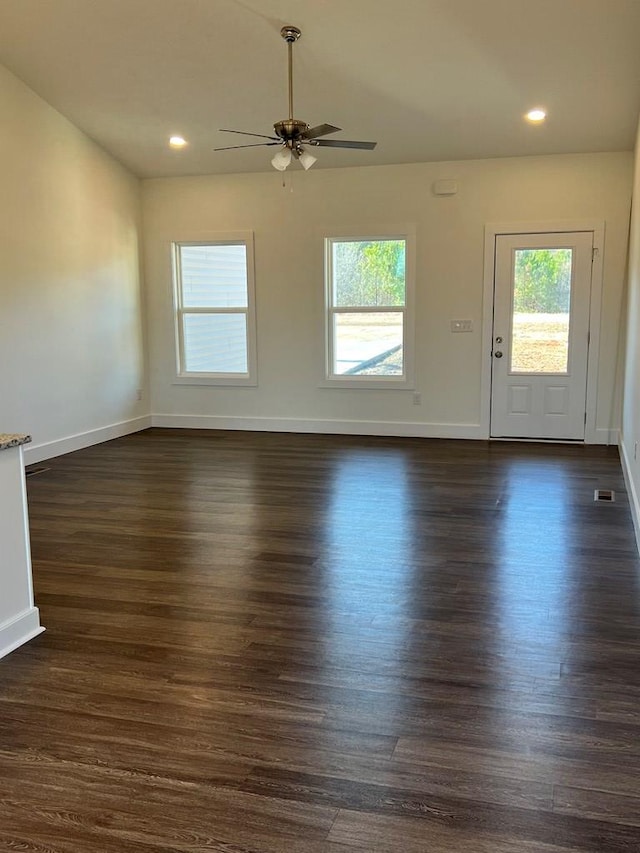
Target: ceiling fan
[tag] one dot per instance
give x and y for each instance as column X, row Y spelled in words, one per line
column 292, row 135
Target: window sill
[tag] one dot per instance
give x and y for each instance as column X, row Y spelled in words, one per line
column 215, row 380
column 368, row 383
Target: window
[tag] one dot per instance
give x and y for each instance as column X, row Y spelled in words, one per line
column 369, row 297
column 215, row 318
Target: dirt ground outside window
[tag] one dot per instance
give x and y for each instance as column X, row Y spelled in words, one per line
column 540, row 343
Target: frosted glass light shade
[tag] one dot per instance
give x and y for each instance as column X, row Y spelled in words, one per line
column 282, row 159
column 307, row 160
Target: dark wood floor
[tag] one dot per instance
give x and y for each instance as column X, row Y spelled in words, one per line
column 263, row 643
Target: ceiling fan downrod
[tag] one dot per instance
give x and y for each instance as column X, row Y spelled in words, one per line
column 290, row 35
column 291, row 128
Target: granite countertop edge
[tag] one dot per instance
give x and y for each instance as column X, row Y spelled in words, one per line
column 13, row 439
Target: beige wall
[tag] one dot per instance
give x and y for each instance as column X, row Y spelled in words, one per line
column 71, row 343
column 289, row 224
column 71, row 347
column 631, row 404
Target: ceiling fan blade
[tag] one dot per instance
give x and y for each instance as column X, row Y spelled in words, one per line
column 244, row 133
column 320, row 130
column 251, row 145
column 344, row 143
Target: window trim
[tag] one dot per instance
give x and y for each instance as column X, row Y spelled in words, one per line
column 184, row 377
column 406, row 381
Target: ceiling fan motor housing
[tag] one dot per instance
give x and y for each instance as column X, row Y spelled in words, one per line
column 290, row 129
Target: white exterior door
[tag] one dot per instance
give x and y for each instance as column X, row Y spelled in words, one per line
column 542, row 291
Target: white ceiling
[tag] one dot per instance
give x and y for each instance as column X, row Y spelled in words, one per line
column 428, row 79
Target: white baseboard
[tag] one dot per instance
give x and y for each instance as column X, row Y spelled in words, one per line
column 327, row 427
column 47, row 450
column 19, row 630
column 34, row 453
column 634, row 503
column 606, row 436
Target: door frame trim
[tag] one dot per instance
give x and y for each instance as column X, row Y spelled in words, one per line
column 491, row 231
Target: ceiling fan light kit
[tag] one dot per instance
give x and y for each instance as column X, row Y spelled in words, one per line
column 292, row 135
column 281, row 159
column 306, row 160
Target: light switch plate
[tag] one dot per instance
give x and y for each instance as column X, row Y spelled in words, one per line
column 462, row 325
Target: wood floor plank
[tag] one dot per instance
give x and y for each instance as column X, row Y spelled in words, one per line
column 387, row 797
column 597, row 805
column 440, row 833
column 263, row 643
column 547, row 767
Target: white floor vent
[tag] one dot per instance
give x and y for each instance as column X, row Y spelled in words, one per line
column 604, row 495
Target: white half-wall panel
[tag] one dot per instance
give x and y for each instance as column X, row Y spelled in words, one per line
column 289, row 224
column 631, row 402
column 71, row 325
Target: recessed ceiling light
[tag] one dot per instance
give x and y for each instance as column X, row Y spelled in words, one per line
column 536, row 116
column 177, row 141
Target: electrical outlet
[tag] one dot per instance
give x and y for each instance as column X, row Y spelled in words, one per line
column 417, row 399
column 139, row 394
column 462, row 325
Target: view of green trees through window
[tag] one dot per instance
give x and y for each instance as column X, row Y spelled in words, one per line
column 541, row 310
column 370, row 273
column 542, row 281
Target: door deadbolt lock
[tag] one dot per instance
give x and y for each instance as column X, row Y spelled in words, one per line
column 498, row 354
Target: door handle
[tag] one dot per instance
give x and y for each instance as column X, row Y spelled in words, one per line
column 498, row 354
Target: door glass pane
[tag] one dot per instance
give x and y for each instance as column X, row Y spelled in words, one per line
column 541, row 307
column 368, row 344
